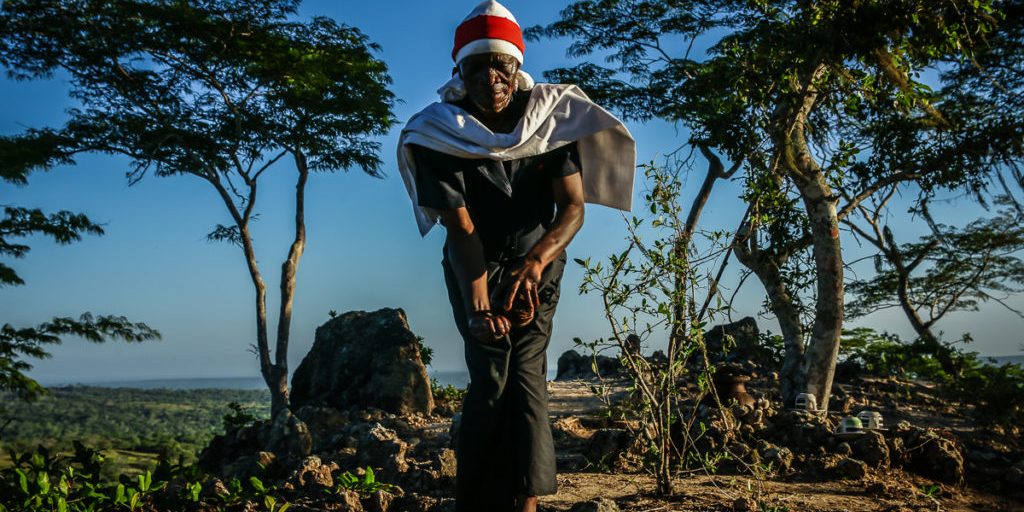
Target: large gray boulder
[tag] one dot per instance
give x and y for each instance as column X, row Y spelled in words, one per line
column 362, row 359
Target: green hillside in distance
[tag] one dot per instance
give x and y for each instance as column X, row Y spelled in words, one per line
column 132, row 426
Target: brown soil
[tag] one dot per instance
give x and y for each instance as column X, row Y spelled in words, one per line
column 883, row 490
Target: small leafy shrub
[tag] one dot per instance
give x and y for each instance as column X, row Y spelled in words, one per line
column 772, row 350
column 238, row 417
column 426, row 353
column 997, row 392
column 446, row 393
column 886, row 355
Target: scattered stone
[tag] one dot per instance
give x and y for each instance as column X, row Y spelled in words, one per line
column 287, row 436
column 570, row 427
column 844, row 449
column 780, row 457
column 606, row 445
column 847, row 404
column 381, row 447
column 744, row 505
column 218, row 488
column 738, row 341
column 878, row 489
column 872, row 449
column 365, row 360
column 740, row 411
column 313, row 472
column 446, row 409
column 323, row 422
column 936, row 455
column 739, row 450
column 573, row 365
column 222, row 455
column 379, row 501
column 447, row 463
column 852, row 469
column 897, row 452
column 801, row 431
column 350, row 501
column 595, row 505
column 266, row 459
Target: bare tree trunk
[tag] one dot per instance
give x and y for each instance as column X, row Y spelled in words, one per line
column 262, row 338
column 795, row 160
column 241, row 219
column 716, row 171
column 680, row 329
column 780, row 301
column 891, row 250
column 279, row 381
column 924, row 333
column 823, row 348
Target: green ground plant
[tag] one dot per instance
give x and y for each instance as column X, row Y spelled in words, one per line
column 365, row 485
column 44, row 481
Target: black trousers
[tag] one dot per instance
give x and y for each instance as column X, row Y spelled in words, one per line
column 504, row 444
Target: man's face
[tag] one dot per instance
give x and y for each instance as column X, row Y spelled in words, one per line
column 490, row 80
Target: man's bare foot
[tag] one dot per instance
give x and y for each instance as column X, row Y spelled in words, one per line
column 526, row 503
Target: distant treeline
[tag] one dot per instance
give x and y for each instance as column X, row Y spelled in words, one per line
column 175, row 422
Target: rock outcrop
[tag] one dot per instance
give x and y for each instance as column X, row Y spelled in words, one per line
column 573, row 365
column 259, row 447
column 738, row 341
column 362, row 359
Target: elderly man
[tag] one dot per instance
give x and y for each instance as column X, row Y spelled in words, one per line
column 506, row 166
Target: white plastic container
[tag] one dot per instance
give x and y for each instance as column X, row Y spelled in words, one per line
column 871, row 420
column 807, row 402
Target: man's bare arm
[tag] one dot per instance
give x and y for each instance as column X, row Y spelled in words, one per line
column 466, row 255
column 568, row 193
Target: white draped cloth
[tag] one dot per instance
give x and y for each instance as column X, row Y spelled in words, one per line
column 555, row 115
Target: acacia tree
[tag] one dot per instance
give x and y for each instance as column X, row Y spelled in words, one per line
column 952, row 269
column 794, row 89
column 214, row 89
column 987, row 93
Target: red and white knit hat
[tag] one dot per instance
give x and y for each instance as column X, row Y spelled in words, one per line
column 490, row 27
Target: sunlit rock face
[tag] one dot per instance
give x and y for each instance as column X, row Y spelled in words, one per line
column 362, row 359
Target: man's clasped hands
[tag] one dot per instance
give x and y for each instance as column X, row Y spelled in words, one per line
column 517, row 300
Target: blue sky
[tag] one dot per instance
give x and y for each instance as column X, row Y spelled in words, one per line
column 364, row 252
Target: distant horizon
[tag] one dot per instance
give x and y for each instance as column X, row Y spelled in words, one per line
column 1002, row 359
column 112, row 382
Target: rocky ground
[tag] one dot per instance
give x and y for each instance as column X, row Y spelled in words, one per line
column 827, row 487
column 930, row 464
column 750, row 457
